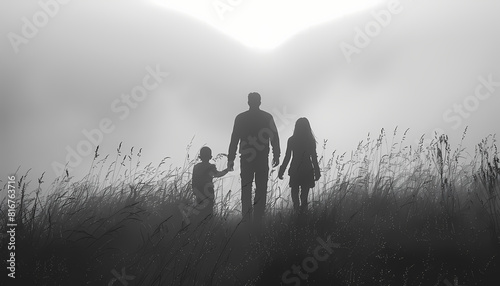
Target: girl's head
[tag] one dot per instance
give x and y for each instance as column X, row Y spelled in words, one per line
column 303, row 131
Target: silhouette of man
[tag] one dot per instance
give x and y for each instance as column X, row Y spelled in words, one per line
column 254, row 130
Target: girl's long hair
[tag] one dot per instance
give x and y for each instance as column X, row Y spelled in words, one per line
column 303, row 133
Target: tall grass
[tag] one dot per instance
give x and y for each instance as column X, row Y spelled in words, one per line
column 403, row 215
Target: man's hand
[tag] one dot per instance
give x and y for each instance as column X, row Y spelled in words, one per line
column 317, row 175
column 281, row 171
column 230, row 165
column 276, row 161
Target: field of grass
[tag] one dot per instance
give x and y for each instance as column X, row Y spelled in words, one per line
column 393, row 214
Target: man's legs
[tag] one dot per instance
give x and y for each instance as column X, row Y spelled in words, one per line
column 261, row 177
column 247, row 175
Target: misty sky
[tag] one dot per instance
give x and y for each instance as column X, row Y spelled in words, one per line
column 415, row 72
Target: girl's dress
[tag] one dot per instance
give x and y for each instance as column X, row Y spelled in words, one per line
column 301, row 170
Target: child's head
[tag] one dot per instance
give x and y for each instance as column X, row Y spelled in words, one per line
column 205, row 154
column 303, row 130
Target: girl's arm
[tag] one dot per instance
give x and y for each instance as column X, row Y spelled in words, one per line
column 288, row 155
column 314, row 157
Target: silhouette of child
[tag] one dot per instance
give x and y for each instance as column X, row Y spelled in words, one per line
column 202, row 184
column 304, row 169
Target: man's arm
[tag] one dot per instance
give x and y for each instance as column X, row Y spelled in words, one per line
column 233, row 144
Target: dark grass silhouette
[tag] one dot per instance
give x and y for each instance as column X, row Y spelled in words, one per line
column 401, row 215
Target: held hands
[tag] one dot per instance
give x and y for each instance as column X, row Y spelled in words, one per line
column 230, row 165
column 281, row 172
column 276, row 161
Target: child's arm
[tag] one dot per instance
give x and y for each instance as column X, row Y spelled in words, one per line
column 288, row 155
column 221, row 173
column 216, row 173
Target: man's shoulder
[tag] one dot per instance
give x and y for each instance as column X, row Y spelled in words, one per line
column 251, row 115
column 242, row 115
column 265, row 113
column 259, row 113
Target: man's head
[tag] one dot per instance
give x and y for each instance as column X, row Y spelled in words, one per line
column 254, row 100
column 205, row 154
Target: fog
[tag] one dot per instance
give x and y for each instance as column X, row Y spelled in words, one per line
column 431, row 66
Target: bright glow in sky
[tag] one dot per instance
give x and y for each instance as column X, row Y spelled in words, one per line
column 266, row 24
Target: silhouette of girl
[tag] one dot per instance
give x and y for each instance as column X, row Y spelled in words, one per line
column 304, row 169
